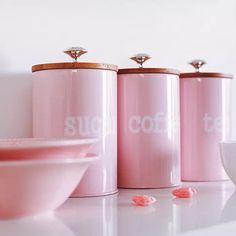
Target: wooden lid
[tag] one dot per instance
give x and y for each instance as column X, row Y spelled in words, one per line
column 74, row 53
column 74, row 65
column 197, row 64
column 140, row 58
column 148, row 71
column 205, row 75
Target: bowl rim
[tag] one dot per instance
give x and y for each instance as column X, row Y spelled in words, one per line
column 30, row 143
column 77, row 160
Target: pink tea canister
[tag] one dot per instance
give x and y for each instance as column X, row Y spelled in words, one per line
column 79, row 99
column 148, row 123
column 205, row 121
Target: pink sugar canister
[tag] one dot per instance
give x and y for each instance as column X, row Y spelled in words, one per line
column 79, row 99
column 205, row 121
column 148, row 124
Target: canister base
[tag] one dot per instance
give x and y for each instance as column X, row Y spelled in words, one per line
column 95, row 194
column 216, row 180
column 171, row 186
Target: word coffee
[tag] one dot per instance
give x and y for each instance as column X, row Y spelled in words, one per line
column 159, row 123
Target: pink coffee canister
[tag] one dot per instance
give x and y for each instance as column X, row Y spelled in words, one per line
column 205, row 121
column 148, row 123
column 79, row 99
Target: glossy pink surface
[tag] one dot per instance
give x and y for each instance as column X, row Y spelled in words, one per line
column 205, row 121
column 148, row 137
column 43, row 149
column 80, row 103
column 38, row 186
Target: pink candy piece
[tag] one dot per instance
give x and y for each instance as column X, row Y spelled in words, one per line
column 143, row 200
column 184, row 192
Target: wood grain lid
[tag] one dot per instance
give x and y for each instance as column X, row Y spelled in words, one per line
column 197, row 64
column 205, row 75
column 148, row 71
column 74, row 65
column 140, row 58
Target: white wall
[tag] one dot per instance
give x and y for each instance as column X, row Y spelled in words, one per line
column 172, row 31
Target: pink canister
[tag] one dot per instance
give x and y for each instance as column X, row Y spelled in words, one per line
column 148, row 123
column 205, row 121
column 78, row 99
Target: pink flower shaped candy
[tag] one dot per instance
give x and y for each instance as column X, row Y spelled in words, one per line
column 184, row 192
column 143, row 200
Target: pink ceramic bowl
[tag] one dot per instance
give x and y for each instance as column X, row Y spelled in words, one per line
column 38, row 186
column 34, row 148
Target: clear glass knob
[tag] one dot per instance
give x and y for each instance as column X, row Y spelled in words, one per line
column 140, row 58
column 197, row 64
column 75, row 52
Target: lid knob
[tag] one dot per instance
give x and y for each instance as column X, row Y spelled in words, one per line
column 140, row 58
column 197, row 64
column 75, row 52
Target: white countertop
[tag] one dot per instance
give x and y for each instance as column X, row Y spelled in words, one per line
column 211, row 212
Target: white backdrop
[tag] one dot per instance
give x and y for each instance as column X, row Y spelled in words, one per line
column 172, row 31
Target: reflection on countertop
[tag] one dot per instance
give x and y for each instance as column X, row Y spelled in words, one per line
column 115, row 215
column 90, row 216
column 170, row 216
column 44, row 225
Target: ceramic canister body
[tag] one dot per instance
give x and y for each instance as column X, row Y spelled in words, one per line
column 80, row 103
column 149, row 135
column 205, row 121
